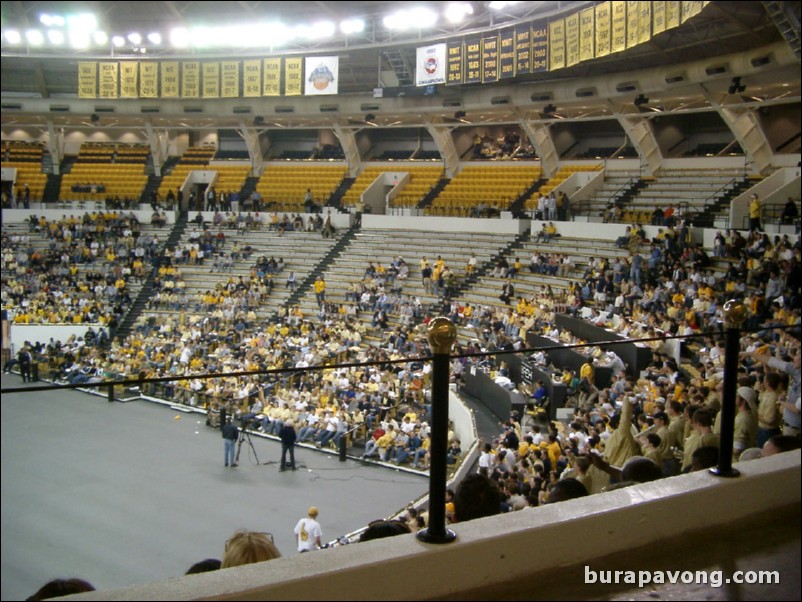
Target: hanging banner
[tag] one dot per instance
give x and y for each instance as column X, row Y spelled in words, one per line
column 618, row 43
column 489, row 59
column 190, row 80
column 211, row 80
column 322, row 75
column 129, row 79
column 673, row 11
column 293, row 76
column 169, row 77
column 473, row 61
column 587, row 34
column 229, row 79
column 87, row 80
column 572, row 40
column 430, row 65
column 540, row 46
column 645, row 28
column 556, row 44
column 523, row 49
column 455, row 63
column 272, row 71
column 603, row 29
column 506, row 57
column 691, row 9
column 658, row 17
column 633, row 23
column 149, row 79
column 252, row 78
column 109, row 73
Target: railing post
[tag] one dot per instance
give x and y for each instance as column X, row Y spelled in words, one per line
column 734, row 316
column 442, row 334
column 111, row 392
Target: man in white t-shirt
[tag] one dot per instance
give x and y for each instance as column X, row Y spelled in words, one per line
column 307, row 532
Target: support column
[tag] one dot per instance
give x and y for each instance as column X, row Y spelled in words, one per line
column 442, row 334
column 55, row 144
column 254, row 145
column 348, row 142
column 639, row 131
column 159, row 144
column 441, row 134
column 745, row 125
column 540, row 137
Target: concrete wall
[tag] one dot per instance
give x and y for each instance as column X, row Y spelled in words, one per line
column 19, row 333
column 507, row 549
column 444, row 224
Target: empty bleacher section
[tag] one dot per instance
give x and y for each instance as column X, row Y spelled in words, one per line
column 283, row 187
column 421, row 181
column 193, row 158
column 477, row 188
column 553, row 182
column 230, row 178
column 22, row 152
column 106, row 171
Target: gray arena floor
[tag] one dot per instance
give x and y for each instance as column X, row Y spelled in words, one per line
column 124, row 493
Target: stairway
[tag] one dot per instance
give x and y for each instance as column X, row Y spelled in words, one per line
column 52, row 189
column 433, row 193
column 146, row 292
column 247, row 188
column 787, row 22
column 152, row 186
column 306, row 284
column 339, row 193
column 483, row 268
column 518, row 206
column 720, row 206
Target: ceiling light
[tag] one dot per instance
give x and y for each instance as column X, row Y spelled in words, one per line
column 135, row 38
column 351, row 26
column 179, row 37
column 51, row 20
column 118, row 41
column 456, row 12
column 101, row 38
column 34, row 37
column 13, row 36
column 501, row 5
column 55, row 37
column 155, row 38
column 416, row 18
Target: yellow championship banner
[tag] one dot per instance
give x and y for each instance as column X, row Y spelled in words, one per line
column 691, row 9
column 211, row 80
column 109, row 75
column 293, row 76
column 230, row 79
column 587, row 34
column 633, row 23
column 190, row 80
column 603, row 29
column 556, row 44
column 252, row 78
column 618, row 43
column 149, row 79
column 473, row 61
column 673, row 11
column 87, row 80
column 645, row 26
column 169, row 76
column 272, row 71
column 572, row 40
column 658, row 17
column 129, row 79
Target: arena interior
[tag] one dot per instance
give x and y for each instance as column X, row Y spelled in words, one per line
column 255, row 210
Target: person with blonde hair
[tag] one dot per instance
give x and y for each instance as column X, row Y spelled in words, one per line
column 248, row 547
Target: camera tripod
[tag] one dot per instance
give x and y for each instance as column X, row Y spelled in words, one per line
column 244, row 435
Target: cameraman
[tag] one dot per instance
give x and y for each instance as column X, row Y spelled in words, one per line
column 230, row 436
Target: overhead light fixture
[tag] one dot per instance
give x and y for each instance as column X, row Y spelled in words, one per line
column 13, row 36
column 55, row 37
column 460, row 115
column 352, row 26
column 549, row 109
column 736, row 86
column 155, row 38
column 118, row 41
column 640, row 99
column 95, row 118
column 34, row 37
column 370, row 118
column 135, row 38
column 457, row 11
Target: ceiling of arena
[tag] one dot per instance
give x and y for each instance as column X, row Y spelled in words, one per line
column 366, row 58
